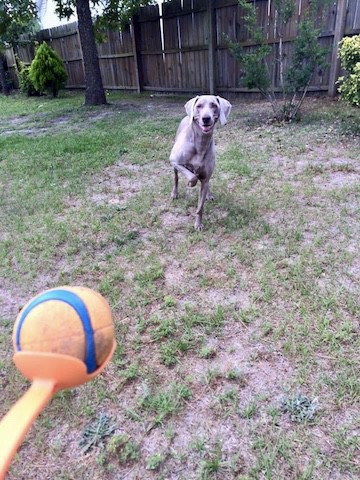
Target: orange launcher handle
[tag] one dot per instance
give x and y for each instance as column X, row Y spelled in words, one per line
column 17, row 422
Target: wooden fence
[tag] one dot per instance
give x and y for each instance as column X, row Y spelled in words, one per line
column 182, row 47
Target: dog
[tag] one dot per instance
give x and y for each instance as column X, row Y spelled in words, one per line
column 193, row 153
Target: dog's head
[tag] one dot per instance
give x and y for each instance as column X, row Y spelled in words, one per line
column 206, row 110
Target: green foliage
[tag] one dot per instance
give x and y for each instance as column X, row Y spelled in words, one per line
column 118, row 13
column 115, row 14
column 165, row 402
column 47, row 71
column 258, row 61
column 26, row 85
column 285, row 10
column 308, row 55
column 155, row 461
column 350, row 87
column 16, row 17
column 255, row 72
column 123, row 448
column 349, row 54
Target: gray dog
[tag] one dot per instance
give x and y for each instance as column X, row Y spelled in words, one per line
column 193, row 153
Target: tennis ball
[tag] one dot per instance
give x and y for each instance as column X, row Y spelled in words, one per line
column 73, row 321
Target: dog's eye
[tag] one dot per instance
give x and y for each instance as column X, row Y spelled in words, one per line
column 199, row 106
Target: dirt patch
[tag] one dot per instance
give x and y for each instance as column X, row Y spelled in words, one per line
column 337, row 180
column 117, row 184
column 10, row 303
column 175, row 220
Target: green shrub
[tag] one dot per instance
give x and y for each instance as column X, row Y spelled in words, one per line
column 350, row 86
column 349, row 54
column 25, row 83
column 47, row 71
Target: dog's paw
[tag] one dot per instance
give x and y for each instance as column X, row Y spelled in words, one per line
column 198, row 226
column 210, row 197
column 174, row 195
column 193, row 181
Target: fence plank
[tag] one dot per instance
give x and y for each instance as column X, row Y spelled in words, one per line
column 338, row 34
column 211, row 25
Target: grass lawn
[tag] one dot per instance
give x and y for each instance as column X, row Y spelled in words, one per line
column 238, row 346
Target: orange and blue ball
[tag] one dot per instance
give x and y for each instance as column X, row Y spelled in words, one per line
column 73, row 321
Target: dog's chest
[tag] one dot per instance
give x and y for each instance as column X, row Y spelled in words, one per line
column 198, row 159
column 196, row 162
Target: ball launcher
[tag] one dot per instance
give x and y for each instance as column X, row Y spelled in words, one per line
column 62, row 338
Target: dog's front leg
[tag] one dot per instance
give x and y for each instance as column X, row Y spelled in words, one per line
column 191, row 177
column 202, row 197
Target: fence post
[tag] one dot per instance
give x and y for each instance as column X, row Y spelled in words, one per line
column 341, row 11
column 211, row 50
column 136, row 40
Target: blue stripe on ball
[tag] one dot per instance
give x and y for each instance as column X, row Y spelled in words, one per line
column 79, row 306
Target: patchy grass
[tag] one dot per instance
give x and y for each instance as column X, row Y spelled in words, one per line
column 214, row 329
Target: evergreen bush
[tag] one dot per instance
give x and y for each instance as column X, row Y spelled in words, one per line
column 47, row 71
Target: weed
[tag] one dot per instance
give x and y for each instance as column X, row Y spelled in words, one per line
column 172, row 349
column 248, row 315
column 300, row 408
column 132, row 372
column 269, row 455
column 95, row 432
column 165, row 403
column 198, row 445
column 237, row 376
column 152, row 272
column 213, row 464
column 166, row 328
column 169, row 301
column 211, row 376
column 249, row 410
column 155, row 461
column 124, row 449
column 227, row 401
column 207, row 352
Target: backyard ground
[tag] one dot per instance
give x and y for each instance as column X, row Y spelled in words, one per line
column 238, row 346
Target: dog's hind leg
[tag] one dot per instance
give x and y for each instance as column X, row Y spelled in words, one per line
column 209, row 195
column 174, row 193
column 202, row 197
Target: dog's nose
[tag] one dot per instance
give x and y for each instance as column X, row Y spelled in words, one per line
column 206, row 120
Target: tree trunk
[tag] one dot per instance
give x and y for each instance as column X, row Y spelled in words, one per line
column 94, row 90
column 3, row 82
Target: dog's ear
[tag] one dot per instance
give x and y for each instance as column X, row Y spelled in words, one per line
column 189, row 107
column 225, row 108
